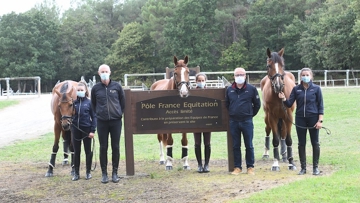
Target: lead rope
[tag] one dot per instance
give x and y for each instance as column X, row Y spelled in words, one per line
column 327, row 130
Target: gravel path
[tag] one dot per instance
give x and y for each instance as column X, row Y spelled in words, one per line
column 31, row 118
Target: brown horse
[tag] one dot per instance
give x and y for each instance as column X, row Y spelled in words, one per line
column 63, row 95
column 180, row 81
column 278, row 119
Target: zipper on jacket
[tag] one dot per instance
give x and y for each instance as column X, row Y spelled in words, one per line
column 305, row 102
column 107, row 102
column 79, row 114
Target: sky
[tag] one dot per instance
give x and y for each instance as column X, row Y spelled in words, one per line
column 20, row 6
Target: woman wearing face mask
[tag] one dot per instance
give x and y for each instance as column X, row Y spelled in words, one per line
column 309, row 115
column 201, row 84
column 83, row 129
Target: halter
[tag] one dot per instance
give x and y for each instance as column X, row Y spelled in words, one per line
column 273, row 77
column 181, row 82
column 68, row 118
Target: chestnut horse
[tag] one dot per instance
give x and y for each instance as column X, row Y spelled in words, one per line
column 63, row 95
column 180, row 81
column 278, row 119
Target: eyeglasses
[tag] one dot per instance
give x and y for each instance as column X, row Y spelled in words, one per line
column 237, row 75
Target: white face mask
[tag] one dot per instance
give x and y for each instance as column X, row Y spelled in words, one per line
column 104, row 76
column 80, row 93
column 240, row 80
column 201, row 84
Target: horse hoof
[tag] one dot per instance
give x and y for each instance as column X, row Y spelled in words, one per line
column 65, row 163
column 162, row 162
column 48, row 174
column 168, row 168
column 275, row 168
column 186, row 167
column 265, row 157
column 292, row 168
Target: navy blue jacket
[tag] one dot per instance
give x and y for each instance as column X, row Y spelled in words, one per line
column 108, row 101
column 309, row 102
column 84, row 115
column 242, row 104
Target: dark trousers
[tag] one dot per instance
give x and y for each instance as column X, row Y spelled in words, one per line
column 206, row 135
column 246, row 128
column 301, row 130
column 77, row 137
column 104, row 128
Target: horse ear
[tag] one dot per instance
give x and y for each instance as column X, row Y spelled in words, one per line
column 186, row 59
column 57, row 92
column 71, row 91
column 268, row 52
column 175, row 60
column 281, row 52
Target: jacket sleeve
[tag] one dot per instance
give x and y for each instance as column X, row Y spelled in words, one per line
column 289, row 102
column 256, row 102
column 93, row 120
column 122, row 99
column 320, row 102
column 93, row 99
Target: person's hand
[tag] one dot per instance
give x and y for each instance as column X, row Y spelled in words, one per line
column 318, row 125
column 91, row 135
column 281, row 95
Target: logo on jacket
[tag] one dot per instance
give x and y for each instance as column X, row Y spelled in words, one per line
column 112, row 91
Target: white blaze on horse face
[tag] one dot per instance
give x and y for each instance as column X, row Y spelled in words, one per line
column 277, row 71
column 183, row 90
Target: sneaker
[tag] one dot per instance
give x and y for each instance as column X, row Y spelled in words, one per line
column 236, row 171
column 251, row 171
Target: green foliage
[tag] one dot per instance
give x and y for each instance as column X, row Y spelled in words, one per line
column 128, row 53
column 235, row 56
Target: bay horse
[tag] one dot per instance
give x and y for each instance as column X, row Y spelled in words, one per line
column 278, row 119
column 179, row 81
column 63, row 96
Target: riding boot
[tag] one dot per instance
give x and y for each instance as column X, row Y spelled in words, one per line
column 76, row 175
column 115, row 166
column 103, row 164
column 198, row 158
column 207, row 158
column 88, row 165
column 316, row 156
column 302, row 156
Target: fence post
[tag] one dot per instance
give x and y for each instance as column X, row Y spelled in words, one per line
column 325, row 77
column 7, row 87
column 347, row 77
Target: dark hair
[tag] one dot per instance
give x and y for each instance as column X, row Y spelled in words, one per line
column 82, row 83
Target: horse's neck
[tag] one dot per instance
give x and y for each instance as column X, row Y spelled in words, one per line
column 171, row 84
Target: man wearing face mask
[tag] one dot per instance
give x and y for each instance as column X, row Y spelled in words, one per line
column 83, row 129
column 108, row 101
column 243, row 103
column 309, row 115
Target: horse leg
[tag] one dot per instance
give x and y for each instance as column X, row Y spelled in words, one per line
column 71, row 148
column 275, row 141
column 267, row 139
column 290, row 158
column 55, row 149
column 162, row 159
column 184, row 153
column 282, row 141
column 169, row 159
column 66, row 145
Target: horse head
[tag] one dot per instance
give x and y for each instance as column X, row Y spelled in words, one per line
column 181, row 76
column 66, row 108
column 275, row 69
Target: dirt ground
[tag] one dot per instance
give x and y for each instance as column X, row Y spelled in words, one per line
column 26, row 181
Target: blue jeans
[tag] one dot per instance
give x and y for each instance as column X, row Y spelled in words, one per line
column 247, row 129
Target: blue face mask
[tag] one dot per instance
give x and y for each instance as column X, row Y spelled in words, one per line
column 201, row 84
column 104, row 76
column 80, row 94
column 305, row 79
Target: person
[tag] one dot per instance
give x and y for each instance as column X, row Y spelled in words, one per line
column 309, row 115
column 108, row 100
column 243, row 103
column 200, row 79
column 83, row 129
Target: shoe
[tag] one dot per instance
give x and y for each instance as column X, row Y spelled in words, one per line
column 302, row 171
column 104, row 178
column 88, row 176
column 316, row 171
column 206, row 169
column 75, row 177
column 200, row 169
column 236, row 171
column 251, row 171
column 115, row 178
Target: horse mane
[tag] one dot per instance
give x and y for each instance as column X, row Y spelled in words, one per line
column 276, row 58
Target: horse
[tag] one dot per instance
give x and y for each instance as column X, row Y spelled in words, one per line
column 179, row 81
column 63, row 96
column 278, row 119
